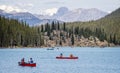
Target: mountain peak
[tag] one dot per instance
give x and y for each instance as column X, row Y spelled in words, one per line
column 61, row 11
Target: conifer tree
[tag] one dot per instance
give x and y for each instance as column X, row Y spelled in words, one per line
column 72, row 39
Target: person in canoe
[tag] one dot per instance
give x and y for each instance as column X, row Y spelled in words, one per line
column 31, row 60
column 71, row 55
column 22, row 60
column 61, row 55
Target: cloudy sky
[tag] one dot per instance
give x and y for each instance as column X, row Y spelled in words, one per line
column 51, row 6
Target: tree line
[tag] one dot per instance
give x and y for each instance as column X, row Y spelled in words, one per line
column 18, row 33
column 80, row 31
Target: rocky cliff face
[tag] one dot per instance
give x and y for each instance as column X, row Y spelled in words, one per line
column 55, row 39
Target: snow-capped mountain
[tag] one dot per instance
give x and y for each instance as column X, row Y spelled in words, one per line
column 66, row 15
column 79, row 14
column 22, row 16
column 27, row 17
column 60, row 12
column 63, row 14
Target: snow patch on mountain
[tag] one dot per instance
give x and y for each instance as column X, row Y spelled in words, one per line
column 49, row 12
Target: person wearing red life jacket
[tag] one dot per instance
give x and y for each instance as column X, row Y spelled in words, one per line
column 22, row 60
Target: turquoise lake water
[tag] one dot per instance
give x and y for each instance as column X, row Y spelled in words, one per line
column 91, row 60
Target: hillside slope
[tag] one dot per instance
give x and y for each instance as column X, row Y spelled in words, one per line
column 110, row 24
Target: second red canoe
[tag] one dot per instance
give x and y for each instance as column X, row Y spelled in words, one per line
column 66, row 57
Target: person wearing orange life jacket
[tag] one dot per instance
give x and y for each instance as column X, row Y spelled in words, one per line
column 71, row 55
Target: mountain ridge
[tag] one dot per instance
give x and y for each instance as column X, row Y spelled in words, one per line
column 80, row 14
column 63, row 14
column 27, row 17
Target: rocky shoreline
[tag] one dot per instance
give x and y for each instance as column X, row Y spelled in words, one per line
column 56, row 40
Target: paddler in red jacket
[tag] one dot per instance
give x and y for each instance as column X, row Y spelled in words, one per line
column 22, row 60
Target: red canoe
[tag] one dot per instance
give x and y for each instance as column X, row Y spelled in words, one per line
column 66, row 57
column 27, row 64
